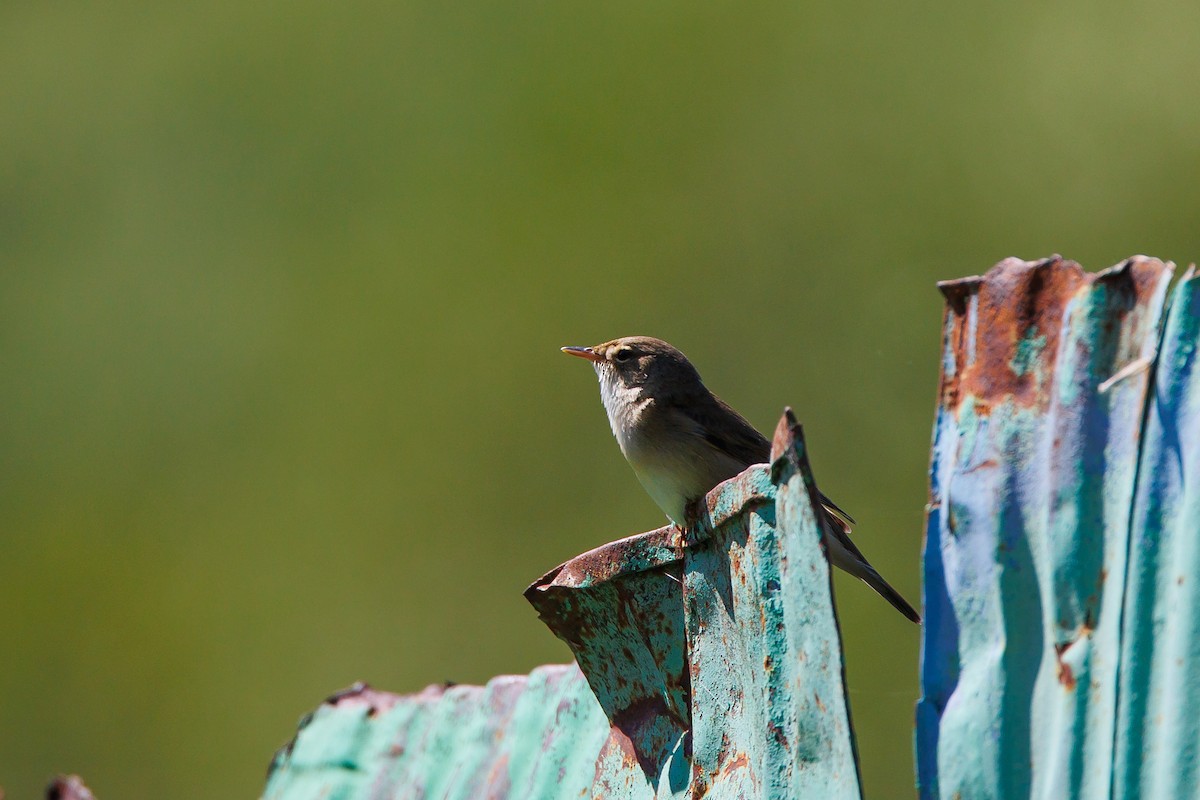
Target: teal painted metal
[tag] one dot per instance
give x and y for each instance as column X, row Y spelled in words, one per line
column 770, row 716
column 1044, row 673
column 619, row 608
column 754, row 686
column 518, row 736
column 1158, row 720
column 709, row 665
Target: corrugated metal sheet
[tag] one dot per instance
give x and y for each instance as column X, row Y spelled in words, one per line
column 770, row 716
column 711, row 667
column 620, row 610
column 1158, row 720
column 518, row 736
column 1037, row 452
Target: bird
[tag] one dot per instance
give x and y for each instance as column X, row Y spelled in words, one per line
column 682, row 440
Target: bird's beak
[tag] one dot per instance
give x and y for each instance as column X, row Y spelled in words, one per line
column 584, row 352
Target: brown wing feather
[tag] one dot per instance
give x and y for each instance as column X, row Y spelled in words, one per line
column 729, row 432
column 832, row 506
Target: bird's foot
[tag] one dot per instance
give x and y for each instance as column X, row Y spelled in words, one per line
column 691, row 529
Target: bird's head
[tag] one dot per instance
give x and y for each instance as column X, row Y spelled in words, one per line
column 641, row 366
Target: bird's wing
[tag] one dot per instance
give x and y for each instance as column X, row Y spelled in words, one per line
column 832, row 506
column 728, row 431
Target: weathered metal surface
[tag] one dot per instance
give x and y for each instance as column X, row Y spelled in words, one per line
column 747, row 640
column 519, row 736
column 1035, row 456
column 713, row 669
column 620, row 610
column 1158, row 721
column 770, row 717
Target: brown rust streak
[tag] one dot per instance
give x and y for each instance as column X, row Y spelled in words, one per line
column 739, row 761
column 1015, row 300
column 1066, row 675
column 784, row 438
column 1133, row 282
column 1142, row 274
column 375, row 701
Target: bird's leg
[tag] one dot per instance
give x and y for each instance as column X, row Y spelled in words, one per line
column 679, row 534
column 692, row 514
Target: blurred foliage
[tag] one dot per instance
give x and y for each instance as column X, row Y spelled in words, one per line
column 283, row 284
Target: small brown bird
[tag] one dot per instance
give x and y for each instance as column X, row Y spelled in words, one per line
column 682, row 440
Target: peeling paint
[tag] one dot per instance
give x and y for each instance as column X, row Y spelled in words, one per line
column 1158, row 719
column 1032, row 485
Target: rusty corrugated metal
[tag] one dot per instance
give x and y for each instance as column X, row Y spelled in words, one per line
column 711, row 666
column 620, row 610
column 736, row 635
column 1035, row 461
column 518, row 736
column 1158, row 720
column 770, row 715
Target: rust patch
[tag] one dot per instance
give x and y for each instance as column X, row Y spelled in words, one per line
column 1066, row 676
column 1003, row 329
column 376, row 702
column 781, row 441
column 779, row 736
column 958, row 291
column 1140, row 272
column 645, row 738
column 624, row 743
column 990, row 463
column 498, row 785
column 641, row 551
column 739, row 761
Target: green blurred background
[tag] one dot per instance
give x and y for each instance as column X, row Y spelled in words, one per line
column 282, row 287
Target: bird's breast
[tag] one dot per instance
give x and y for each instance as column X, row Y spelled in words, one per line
column 668, row 451
column 671, row 484
column 675, row 464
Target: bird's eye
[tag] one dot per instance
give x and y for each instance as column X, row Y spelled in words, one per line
column 623, row 355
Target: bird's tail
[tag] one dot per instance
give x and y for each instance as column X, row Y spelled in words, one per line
column 873, row 579
column 843, row 554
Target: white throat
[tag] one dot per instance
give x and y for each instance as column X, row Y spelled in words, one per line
column 625, row 406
